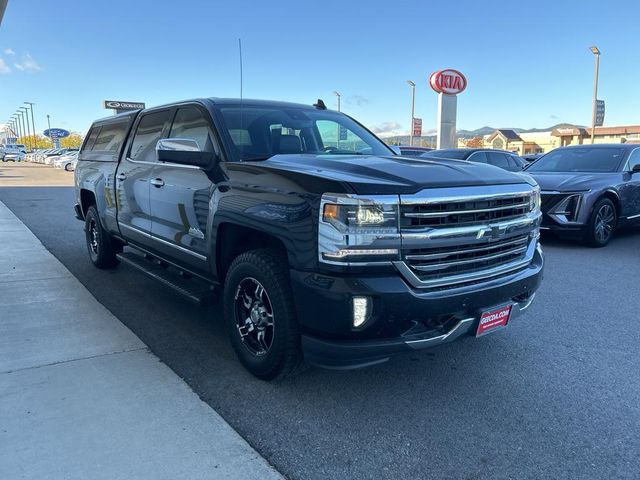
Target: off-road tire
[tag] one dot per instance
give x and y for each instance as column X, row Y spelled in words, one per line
column 268, row 267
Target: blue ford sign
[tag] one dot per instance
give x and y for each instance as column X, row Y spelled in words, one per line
column 56, row 133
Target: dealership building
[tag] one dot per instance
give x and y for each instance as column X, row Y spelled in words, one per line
column 542, row 142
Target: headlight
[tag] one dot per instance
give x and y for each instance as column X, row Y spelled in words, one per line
column 535, row 201
column 357, row 230
column 358, row 215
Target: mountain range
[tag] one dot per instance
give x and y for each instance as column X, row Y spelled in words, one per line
column 428, row 136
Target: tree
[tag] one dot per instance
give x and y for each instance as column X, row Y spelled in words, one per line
column 41, row 142
column 72, row 141
column 475, row 142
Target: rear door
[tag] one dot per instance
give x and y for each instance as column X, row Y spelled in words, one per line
column 134, row 172
column 180, row 194
column 499, row 159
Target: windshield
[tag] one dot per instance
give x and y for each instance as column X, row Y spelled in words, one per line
column 259, row 132
column 585, row 159
column 455, row 154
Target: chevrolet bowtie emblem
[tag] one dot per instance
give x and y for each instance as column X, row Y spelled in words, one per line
column 493, row 232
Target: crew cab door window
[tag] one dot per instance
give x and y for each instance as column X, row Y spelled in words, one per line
column 337, row 138
column 191, row 123
column 634, row 159
column 149, row 131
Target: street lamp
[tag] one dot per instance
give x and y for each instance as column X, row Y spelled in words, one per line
column 413, row 99
column 17, row 120
column 24, row 131
column 49, row 124
column 33, row 123
column 596, row 53
column 338, row 97
column 26, row 112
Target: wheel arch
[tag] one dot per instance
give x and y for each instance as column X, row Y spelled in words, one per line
column 233, row 239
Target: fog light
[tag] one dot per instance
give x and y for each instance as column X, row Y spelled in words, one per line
column 361, row 310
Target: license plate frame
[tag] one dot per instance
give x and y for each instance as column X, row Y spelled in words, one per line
column 494, row 319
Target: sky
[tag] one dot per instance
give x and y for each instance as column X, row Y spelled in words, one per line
column 527, row 64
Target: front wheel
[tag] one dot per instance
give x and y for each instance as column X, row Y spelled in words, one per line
column 102, row 248
column 602, row 223
column 260, row 314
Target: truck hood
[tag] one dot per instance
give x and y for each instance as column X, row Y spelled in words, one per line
column 392, row 174
column 570, row 181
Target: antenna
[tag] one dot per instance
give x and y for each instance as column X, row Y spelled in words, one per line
column 241, row 132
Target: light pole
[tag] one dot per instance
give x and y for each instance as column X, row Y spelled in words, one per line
column 413, row 100
column 26, row 112
column 49, row 125
column 17, row 119
column 338, row 97
column 596, row 52
column 33, row 123
column 24, row 131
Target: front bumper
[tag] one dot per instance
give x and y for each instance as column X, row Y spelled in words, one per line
column 353, row 354
column 403, row 318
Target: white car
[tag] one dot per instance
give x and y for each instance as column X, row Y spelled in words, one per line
column 13, row 152
column 64, row 160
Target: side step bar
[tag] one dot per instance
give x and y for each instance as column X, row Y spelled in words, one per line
column 193, row 289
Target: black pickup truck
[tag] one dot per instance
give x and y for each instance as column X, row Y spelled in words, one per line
column 323, row 244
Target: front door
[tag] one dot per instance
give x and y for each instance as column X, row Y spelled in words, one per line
column 630, row 191
column 180, row 195
column 133, row 176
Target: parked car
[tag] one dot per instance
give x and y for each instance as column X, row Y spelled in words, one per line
column 412, row 151
column 499, row 158
column 589, row 190
column 66, row 161
column 334, row 251
column 13, row 152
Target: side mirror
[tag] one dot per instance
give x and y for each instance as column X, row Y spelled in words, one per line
column 184, row 151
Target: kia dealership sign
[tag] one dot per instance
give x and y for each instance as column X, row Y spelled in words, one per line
column 449, row 81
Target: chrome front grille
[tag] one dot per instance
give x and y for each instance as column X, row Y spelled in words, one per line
column 453, row 237
column 463, row 212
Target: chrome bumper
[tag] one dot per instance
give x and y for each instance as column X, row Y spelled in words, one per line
column 464, row 326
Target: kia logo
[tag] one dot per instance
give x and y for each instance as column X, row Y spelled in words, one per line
column 449, row 82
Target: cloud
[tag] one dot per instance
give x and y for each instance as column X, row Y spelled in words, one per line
column 9, row 51
column 357, row 100
column 553, row 116
column 4, row 68
column 28, row 64
column 387, row 128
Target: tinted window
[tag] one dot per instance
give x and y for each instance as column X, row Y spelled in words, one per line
column 91, row 139
column 110, row 138
column 579, row 159
column 455, row 154
column 634, row 158
column 148, row 133
column 259, row 132
column 517, row 163
column 190, row 123
column 479, row 157
column 498, row 159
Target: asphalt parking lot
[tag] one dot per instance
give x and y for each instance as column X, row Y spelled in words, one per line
column 556, row 395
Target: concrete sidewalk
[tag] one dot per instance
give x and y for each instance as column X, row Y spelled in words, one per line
column 81, row 397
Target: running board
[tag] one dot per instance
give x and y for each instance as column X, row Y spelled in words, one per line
column 193, row 289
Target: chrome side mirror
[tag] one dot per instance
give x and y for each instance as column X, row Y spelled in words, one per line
column 178, row 144
column 183, row 151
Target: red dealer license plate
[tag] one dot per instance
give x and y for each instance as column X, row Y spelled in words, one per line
column 493, row 320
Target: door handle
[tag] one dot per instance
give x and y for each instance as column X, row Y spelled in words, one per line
column 157, row 182
column 121, row 176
